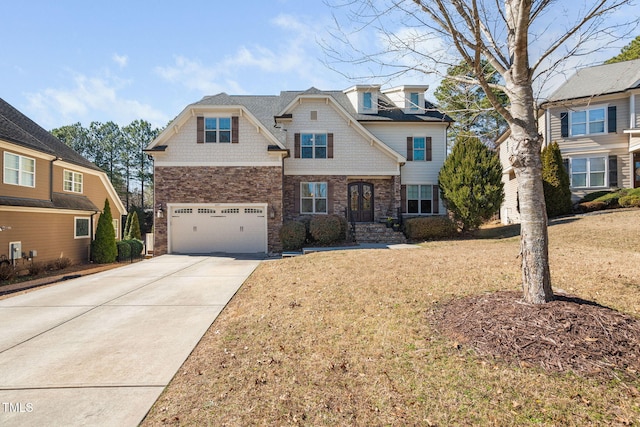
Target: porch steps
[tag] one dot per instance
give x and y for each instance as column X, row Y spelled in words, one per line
column 372, row 232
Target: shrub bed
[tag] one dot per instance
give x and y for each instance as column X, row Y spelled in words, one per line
column 326, row 229
column 428, row 228
column 293, row 234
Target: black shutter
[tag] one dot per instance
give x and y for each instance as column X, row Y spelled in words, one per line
column 428, row 151
column 296, row 198
column 329, row 146
column 403, row 198
column 613, row 171
column 564, row 124
column 296, row 146
column 329, row 198
column 565, row 163
column 234, row 130
column 200, row 130
column 436, row 199
column 409, row 148
column 612, row 119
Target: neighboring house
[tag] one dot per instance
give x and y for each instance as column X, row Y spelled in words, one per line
column 595, row 119
column 50, row 196
column 229, row 170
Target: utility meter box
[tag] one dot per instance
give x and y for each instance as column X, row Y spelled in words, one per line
column 15, row 250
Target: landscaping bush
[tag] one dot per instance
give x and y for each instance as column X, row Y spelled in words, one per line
column 428, row 228
column 103, row 248
column 136, row 247
column 591, row 206
column 630, row 201
column 593, row 196
column 36, row 268
column 7, row 271
column 124, row 250
column 60, row 263
column 293, row 234
column 326, row 229
column 555, row 182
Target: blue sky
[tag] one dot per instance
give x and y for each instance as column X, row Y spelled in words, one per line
column 69, row 61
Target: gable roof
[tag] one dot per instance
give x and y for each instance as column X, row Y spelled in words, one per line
column 599, row 80
column 18, row 129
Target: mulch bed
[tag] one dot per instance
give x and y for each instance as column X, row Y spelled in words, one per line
column 567, row 334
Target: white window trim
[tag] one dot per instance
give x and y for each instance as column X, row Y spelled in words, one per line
column 217, row 130
column 115, row 222
column 314, row 198
column 20, row 158
column 588, row 171
column 313, row 147
column 73, row 181
column 419, row 200
column 587, row 110
column 424, row 150
column 75, row 227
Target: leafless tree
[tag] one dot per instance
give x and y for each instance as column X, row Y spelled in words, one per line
column 524, row 40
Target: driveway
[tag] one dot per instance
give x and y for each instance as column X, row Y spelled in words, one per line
column 99, row 350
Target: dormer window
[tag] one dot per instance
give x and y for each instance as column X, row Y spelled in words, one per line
column 366, row 101
column 414, row 101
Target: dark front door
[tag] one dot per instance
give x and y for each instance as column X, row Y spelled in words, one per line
column 636, row 170
column 361, row 202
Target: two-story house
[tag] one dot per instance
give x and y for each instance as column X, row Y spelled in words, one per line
column 50, row 196
column 230, row 169
column 595, row 119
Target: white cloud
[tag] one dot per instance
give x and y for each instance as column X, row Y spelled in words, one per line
column 90, row 99
column 121, row 60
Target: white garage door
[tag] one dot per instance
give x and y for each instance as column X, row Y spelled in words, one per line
column 201, row 229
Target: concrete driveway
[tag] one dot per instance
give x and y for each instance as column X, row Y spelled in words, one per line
column 99, row 350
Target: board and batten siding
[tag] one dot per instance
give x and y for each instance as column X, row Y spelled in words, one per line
column 353, row 154
column 395, row 136
column 251, row 149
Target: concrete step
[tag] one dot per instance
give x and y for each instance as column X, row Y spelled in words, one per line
column 371, row 232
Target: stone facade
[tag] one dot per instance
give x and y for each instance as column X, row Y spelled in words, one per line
column 223, row 184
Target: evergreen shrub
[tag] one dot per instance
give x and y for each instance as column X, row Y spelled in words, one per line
column 103, row 247
column 555, row 182
column 124, row 250
column 430, row 228
column 326, row 229
column 293, row 234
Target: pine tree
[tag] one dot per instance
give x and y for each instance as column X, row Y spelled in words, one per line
column 134, row 227
column 127, row 227
column 627, row 53
column 555, row 182
column 103, row 248
column 471, row 183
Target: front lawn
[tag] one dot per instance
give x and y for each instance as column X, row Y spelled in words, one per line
column 351, row 338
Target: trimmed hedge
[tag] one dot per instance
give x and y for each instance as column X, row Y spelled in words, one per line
column 293, row 234
column 327, row 229
column 428, row 228
column 630, row 201
column 136, row 247
column 124, row 250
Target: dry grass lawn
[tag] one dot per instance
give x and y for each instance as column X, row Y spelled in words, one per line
column 347, row 338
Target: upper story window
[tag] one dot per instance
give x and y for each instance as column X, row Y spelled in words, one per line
column 217, row 129
column 414, row 101
column 587, row 122
column 313, row 197
column 419, row 148
column 367, row 100
column 19, row 170
column 313, row 145
column 72, row 181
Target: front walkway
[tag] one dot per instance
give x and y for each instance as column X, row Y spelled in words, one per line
column 99, row 350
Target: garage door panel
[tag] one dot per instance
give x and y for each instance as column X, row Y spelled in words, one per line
column 206, row 229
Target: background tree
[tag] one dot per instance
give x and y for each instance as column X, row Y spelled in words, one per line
column 463, row 99
column 471, row 182
column 103, row 248
column 139, row 134
column 76, row 137
column 628, row 53
column 133, row 231
column 500, row 33
column 555, row 182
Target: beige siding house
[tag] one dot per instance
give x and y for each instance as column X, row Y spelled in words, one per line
column 229, row 170
column 595, row 119
column 50, row 196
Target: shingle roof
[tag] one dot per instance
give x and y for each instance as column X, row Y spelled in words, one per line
column 600, row 80
column 17, row 128
column 58, row 201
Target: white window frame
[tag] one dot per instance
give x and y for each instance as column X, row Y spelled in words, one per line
column 588, row 122
column 314, row 198
column 414, row 105
column 75, row 227
column 115, row 223
column 419, row 199
column 589, row 172
column 217, row 132
column 75, row 184
column 422, row 150
column 313, row 145
column 367, row 98
column 20, row 170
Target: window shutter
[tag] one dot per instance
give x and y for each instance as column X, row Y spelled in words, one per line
column 612, row 119
column 428, row 150
column 613, row 171
column 296, row 146
column 296, row 197
column 565, row 163
column 436, row 199
column 234, row 129
column 329, row 198
column 329, row 146
column 409, row 148
column 200, row 129
column 564, row 124
column 403, row 198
